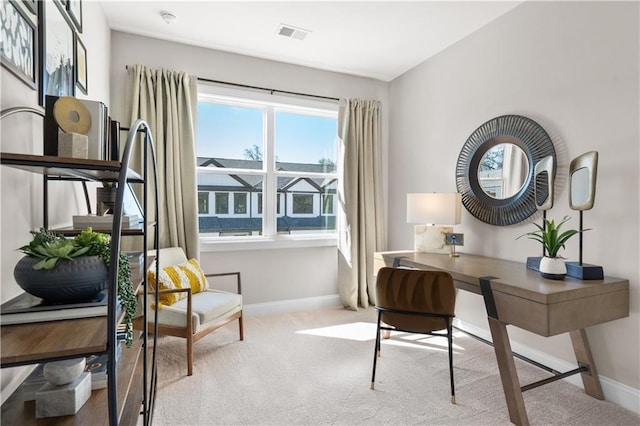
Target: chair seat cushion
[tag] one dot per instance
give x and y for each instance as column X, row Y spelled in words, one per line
column 207, row 307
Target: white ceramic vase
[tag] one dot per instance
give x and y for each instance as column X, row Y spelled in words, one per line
column 553, row 268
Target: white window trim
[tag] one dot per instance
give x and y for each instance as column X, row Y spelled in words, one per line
column 255, row 203
column 271, row 239
column 213, row 244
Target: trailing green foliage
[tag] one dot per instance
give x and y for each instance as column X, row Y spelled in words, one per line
column 51, row 247
column 550, row 237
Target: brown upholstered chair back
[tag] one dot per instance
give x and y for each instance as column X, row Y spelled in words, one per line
column 415, row 290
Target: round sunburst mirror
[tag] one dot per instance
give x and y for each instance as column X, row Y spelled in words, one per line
column 495, row 169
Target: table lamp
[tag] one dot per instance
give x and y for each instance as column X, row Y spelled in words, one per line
column 435, row 212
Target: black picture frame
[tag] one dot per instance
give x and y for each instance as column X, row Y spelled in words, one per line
column 32, row 5
column 21, row 58
column 82, row 80
column 57, row 51
column 74, row 8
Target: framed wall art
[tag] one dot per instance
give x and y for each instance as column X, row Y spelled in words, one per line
column 81, row 65
column 18, row 45
column 57, row 61
column 74, row 7
column 32, row 5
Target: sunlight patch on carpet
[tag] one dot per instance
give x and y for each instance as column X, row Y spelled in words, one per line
column 364, row 331
column 360, row 331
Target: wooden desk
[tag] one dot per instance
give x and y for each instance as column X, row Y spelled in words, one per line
column 519, row 296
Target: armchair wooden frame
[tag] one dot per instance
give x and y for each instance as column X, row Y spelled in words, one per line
column 187, row 332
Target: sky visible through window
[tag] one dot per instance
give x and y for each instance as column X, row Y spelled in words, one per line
column 226, row 131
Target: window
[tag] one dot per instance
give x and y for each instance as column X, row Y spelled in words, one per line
column 267, row 164
column 222, row 203
column 203, row 202
column 302, row 204
column 240, row 203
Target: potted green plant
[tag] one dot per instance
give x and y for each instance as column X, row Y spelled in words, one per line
column 59, row 270
column 552, row 265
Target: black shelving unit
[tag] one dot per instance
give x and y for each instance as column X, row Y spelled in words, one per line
column 121, row 401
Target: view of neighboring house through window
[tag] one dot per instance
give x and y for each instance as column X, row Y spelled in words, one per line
column 267, row 165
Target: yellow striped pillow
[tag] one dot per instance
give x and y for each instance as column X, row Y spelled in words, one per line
column 185, row 275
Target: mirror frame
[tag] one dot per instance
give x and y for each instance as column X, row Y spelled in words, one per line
column 589, row 161
column 521, row 131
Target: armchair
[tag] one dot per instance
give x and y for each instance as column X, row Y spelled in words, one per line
column 207, row 310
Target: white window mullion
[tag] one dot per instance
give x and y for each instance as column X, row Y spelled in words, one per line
column 269, row 187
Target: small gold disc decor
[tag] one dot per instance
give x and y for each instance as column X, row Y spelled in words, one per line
column 71, row 115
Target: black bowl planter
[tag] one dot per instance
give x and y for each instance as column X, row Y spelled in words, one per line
column 71, row 281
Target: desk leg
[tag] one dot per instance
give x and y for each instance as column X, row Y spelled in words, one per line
column 508, row 373
column 582, row 350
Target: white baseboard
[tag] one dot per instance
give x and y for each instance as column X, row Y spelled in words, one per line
column 618, row 393
column 293, row 305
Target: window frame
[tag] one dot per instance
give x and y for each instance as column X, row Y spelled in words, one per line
column 270, row 104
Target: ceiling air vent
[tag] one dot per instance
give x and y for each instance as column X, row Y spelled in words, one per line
column 292, row 32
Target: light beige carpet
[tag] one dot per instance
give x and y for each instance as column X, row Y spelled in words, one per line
column 314, row 368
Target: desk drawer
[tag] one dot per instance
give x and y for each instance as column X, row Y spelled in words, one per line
column 557, row 318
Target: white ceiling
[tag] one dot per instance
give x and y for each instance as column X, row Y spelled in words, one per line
column 373, row 39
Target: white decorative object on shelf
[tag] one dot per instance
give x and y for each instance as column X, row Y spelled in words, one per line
column 65, row 400
column 65, row 371
column 73, row 145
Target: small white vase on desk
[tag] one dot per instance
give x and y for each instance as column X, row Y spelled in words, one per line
column 553, row 268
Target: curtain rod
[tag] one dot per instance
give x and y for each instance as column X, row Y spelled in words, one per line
column 272, row 91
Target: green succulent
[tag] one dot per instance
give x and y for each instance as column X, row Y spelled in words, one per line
column 51, row 247
column 550, row 237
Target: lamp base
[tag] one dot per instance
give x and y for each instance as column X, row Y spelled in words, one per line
column 431, row 239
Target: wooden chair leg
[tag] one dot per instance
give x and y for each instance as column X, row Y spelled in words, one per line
column 190, row 355
column 241, row 327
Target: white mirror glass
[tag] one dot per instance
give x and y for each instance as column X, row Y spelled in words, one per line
column 503, row 171
column 580, row 186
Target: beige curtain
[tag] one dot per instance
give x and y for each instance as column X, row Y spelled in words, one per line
column 361, row 231
column 167, row 101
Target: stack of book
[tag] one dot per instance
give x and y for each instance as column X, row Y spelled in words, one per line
column 27, row 308
column 104, row 222
column 97, row 366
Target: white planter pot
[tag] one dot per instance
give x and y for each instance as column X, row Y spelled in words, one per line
column 553, row 268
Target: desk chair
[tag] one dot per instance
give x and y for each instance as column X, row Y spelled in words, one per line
column 415, row 301
column 193, row 312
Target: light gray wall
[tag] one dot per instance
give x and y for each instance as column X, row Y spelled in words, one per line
column 21, row 192
column 268, row 275
column 572, row 67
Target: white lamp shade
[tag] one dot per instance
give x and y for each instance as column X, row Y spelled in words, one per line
column 437, row 208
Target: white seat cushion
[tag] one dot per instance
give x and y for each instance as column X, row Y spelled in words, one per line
column 207, row 307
